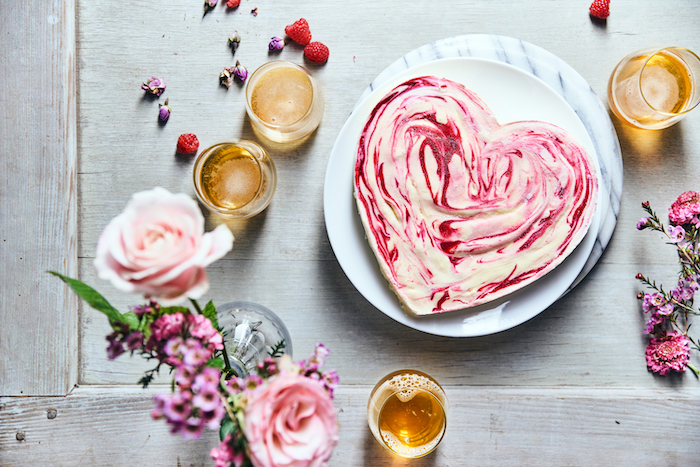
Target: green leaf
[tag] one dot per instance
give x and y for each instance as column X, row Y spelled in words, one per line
column 216, row 363
column 131, row 319
column 210, row 312
column 227, row 427
column 92, row 297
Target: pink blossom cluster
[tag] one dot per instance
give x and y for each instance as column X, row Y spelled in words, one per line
column 686, row 209
column 187, row 342
column 667, row 353
column 180, row 339
column 194, row 405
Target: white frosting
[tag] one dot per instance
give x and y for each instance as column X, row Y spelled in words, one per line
column 460, row 210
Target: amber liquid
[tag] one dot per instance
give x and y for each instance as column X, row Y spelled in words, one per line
column 648, row 99
column 407, row 413
column 411, row 421
column 282, row 96
column 231, row 178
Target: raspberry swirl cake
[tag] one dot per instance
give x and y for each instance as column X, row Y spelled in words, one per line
column 460, row 210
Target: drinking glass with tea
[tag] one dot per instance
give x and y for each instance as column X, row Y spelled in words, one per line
column 283, row 101
column 235, row 180
column 407, row 413
column 656, row 87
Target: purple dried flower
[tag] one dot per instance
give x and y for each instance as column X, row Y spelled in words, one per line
column 154, row 85
column 643, row 223
column 164, row 111
column 134, row 340
column 240, row 71
column 234, row 40
column 276, row 43
column 254, row 11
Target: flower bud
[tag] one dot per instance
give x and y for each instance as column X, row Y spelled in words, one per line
column 240, row 71
column 276, row 43
column 164, row 111
column 234, row 40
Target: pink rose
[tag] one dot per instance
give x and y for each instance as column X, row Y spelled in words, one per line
column 290, row 422
column 157, row 247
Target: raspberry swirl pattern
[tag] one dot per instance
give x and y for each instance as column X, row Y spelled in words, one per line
column 460, row 210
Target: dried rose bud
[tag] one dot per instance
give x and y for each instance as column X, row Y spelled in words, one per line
column 164, row 111
column 155, row 86
column 233, row 3
column 226, row 76
column 276, row 43
column 234, row 40
column 240, row 71
column 210, row 4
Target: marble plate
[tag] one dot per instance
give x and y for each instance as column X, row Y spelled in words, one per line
column 346, row 232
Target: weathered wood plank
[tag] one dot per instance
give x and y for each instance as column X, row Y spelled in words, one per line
column 492, row 426
column 38, row 202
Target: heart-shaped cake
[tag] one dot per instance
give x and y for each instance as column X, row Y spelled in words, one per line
column 460, row 210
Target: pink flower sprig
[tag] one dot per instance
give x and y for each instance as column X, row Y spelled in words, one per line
column 669, row 312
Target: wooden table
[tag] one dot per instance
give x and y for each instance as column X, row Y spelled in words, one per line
column 77, row 138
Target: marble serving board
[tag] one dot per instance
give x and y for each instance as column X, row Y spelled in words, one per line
column 564, row 80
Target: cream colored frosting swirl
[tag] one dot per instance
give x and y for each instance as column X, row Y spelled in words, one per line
column 460, row 210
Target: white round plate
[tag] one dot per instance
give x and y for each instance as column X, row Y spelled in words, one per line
column 513, row 95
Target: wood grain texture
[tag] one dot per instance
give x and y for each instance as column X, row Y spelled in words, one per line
column 569, row 387
column 487, row 426
column 38, row 198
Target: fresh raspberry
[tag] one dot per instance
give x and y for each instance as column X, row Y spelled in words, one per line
column 187, row 143
column 316, row 52
column 600, row 8
column 299, row 31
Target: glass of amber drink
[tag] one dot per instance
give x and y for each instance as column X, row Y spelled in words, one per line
column 235, row 180
column 407, row 413
column 283, row 101
column 656, row 87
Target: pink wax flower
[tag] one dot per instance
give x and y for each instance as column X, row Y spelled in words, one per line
column 157, row 247
column 685, row 209
column 668, row 353
column 290, row 421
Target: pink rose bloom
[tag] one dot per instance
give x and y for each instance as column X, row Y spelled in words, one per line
column 157, row 247
column 290, row 422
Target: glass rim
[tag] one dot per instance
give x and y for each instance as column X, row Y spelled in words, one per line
column 654, row 53
column 260, row 71
column 205, row 155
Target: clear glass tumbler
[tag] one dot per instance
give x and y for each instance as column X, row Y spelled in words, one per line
column 656, row 87
column 235, row 180
column 407, row 413
column 283, row 101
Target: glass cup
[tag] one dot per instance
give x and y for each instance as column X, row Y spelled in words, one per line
column 235, row 180
column 283, row 101
column 407, row 413
column 656, row 87
column 251, row 333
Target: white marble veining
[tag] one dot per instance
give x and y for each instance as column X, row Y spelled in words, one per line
column 567, row 82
